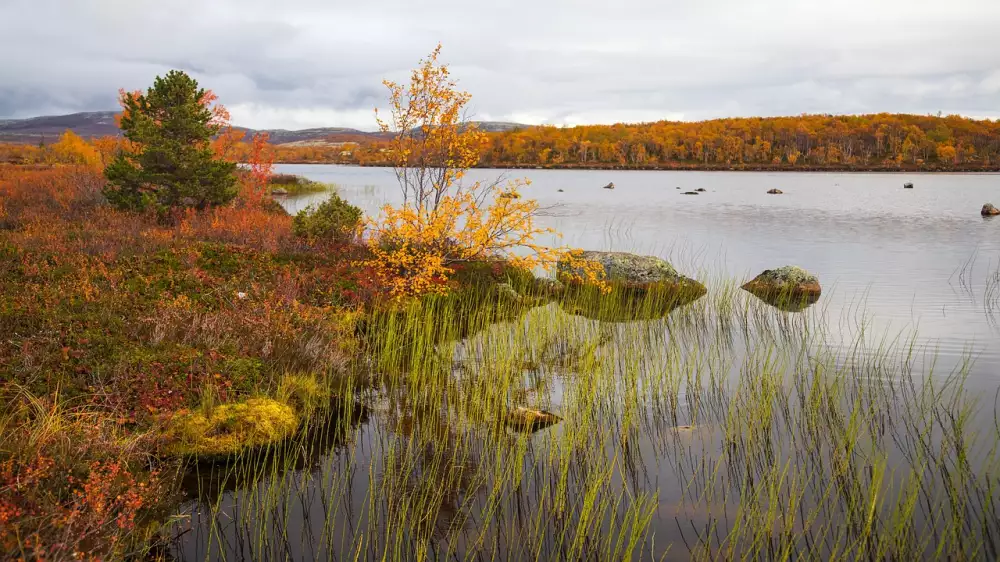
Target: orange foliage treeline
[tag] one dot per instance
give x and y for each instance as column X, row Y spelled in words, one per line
column 807, row 142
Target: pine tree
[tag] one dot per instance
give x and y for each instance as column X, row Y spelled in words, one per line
column 171, row 163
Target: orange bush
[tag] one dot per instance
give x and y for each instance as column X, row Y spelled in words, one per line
column 443, row 222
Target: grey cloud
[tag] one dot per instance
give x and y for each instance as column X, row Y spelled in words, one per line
column 320, row 63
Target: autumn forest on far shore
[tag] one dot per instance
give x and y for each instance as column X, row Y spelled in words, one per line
column 880, row 142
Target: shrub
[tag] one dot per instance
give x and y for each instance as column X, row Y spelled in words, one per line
column 334, row 220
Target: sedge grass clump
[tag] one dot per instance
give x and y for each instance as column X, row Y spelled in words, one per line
column 303, row 392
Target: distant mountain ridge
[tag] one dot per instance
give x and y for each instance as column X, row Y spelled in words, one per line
column 102, row 123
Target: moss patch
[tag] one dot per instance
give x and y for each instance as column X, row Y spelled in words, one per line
column 230, row 428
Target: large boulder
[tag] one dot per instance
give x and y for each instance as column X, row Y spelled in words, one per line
column 641, row 287
column 625, row 269
column 788, row 280
column 989, row 210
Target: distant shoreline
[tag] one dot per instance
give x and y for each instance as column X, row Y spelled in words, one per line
column 697, row 168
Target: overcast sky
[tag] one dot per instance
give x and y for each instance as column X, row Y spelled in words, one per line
column 314, row 63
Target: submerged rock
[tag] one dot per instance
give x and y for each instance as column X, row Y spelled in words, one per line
column 559, row 190
column 989, row 210
column 774, row 192
column 689, row 193
column 788, row 280
column 907, row 185
column 610, row 186
column 527, row 419
column 701, row 190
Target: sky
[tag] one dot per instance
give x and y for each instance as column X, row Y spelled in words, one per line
column 320, row 63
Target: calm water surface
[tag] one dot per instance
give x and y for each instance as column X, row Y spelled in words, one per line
column 897, row 254
column 890, row 259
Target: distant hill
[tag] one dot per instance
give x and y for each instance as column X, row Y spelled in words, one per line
column 48, row 128
column 102, row 123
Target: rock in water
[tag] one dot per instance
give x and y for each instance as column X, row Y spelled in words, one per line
column 989, row 210
column 641, row 287
column 774, row 192
column 527, row 419
column 788, row 280
column 610, row 186
column 701, row 190
column 907, row 185
column 279, row 191
column 625, row 269
column 689, row 193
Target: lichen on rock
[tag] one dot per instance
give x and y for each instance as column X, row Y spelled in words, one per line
column 623, row 268
column 785, row 280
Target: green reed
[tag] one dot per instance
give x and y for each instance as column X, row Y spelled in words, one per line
column 716, row 429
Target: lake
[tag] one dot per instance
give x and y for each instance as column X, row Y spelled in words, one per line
column 898, row 253
column 863, row 427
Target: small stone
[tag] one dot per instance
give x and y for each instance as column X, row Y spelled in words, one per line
column 528, row 419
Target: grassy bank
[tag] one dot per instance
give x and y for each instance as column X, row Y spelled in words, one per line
column 289, row 184
column 116, row 326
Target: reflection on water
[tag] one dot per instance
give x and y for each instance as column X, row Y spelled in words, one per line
column 720, row 427
column 786, row 301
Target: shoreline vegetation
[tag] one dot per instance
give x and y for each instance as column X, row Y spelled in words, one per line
column 701, row 168
column 178, row 354
column 807, row 143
